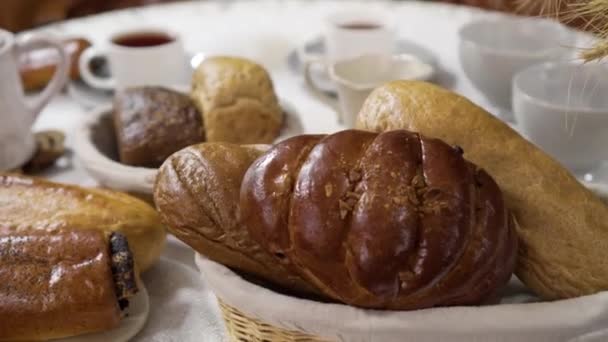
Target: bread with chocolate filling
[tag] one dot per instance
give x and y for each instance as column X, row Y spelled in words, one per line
column 63, row 283
column 28, row 203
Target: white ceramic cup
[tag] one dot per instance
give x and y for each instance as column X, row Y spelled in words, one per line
column 17, row 115
column 355, row 78
column 563, row 108
column 493, row 51
column 135, row 60
column 353, row 33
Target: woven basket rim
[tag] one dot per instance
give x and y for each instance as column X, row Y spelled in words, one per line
column 338, row 320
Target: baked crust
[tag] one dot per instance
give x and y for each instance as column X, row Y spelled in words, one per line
column 55, row 285
column 197, row 196
column 389, row 221
column 386, row 221
column 151, row 123
column 28, row 203
column 237, row 100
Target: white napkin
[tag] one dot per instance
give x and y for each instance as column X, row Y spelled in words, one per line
column 182, row 309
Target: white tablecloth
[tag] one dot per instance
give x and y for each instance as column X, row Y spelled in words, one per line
column 265, row 31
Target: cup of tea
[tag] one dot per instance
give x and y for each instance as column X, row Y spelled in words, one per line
column 136, row 58
column 350, row 34
column 355, row 78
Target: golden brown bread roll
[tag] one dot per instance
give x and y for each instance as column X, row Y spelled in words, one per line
column 562, row 226
column 237, row 100
column 28, row 203
column 151, row 123
column 197, row 196
column 387, row 221
column 61, row 284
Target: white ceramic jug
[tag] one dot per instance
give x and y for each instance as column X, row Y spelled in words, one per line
column 17, row 115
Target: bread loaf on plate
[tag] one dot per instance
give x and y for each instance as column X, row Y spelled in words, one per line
column 562, row 226
column 237, row 100
column 386, row 221
column 63, row 283
column 28, row 203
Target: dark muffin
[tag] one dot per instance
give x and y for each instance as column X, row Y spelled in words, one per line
column 151, row 123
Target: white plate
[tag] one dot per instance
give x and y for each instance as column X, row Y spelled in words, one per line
column 87, row 96
column 131, row 324
column 95, row 147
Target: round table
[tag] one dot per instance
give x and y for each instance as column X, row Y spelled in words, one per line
column 182, row 309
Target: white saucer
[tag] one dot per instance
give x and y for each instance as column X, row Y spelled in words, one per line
column 134, row 320
column 87, row 96
column 316, row 47
column 95, row 147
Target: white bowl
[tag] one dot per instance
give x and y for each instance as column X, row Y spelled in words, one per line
column 520, row 316
column 600, row 189
column 492, row 51
column 95, row 147
column 563, row 108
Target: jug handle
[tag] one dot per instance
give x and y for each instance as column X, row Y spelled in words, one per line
column 60, row 77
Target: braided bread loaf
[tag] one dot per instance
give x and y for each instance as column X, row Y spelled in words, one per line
column 386, row 221
column 392, row 220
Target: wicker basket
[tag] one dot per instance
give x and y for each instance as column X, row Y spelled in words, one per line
column 255, row 314
column 246, row 329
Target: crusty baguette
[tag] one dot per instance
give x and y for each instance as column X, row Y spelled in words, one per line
column 28, row 203
column 563, row 227
column 62, row 283
column 197, row 196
